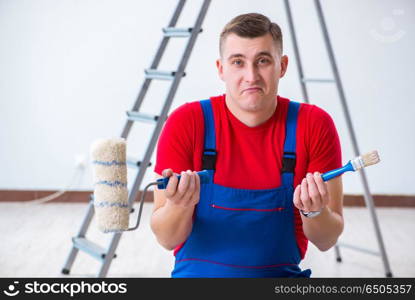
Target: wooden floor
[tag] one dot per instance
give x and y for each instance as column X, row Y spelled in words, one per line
column 36, row 239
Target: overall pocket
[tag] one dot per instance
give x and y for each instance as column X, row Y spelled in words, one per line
column 252, row 227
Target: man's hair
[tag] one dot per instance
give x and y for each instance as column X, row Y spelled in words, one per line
column 251, row 25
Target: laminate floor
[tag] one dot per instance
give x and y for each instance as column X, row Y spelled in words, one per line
column 36, row 240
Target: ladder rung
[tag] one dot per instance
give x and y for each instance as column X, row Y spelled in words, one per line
column 163, row 75
column 178, row 32
column 318, row 80
column 142, row 117
column 89, row 247
column 135, row 163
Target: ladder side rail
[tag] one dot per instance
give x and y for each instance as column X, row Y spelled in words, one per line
column 296, row 51
column 168, row 102
column 82, row 231
column 368, row 196
column 145, row 162
column 155, row 63
column 106, row 262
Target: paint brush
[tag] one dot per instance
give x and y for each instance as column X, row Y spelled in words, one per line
column 358, row 163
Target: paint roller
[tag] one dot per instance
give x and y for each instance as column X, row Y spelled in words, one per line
column 110, row 185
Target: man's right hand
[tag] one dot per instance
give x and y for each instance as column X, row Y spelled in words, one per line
column 173, row 209
column 184, row 193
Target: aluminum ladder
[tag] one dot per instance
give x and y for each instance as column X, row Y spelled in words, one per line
column 80, row 242
column 337, row 81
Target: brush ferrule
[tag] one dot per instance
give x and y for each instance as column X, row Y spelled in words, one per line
column 358, row 163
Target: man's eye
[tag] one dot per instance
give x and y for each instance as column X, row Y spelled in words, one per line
column 263, row 61
column 237, row 62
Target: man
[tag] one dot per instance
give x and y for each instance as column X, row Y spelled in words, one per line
column 249, row 221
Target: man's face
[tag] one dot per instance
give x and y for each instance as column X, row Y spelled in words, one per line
column 251, row 69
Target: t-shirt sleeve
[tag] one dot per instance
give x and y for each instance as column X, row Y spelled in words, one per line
column 324, row 142
column 175, row 147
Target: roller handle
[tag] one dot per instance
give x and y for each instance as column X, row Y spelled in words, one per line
column 204, row 178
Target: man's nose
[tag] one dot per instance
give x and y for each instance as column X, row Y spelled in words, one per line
column 251, row 74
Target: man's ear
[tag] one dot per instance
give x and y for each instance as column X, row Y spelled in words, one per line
column 284, row 65
column 219, row 65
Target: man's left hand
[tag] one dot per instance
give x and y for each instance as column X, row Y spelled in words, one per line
column 312, row 194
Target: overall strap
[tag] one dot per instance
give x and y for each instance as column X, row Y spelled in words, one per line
column 289, row 156
column 209, row 152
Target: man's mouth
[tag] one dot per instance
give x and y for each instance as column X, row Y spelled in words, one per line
column 252, row 89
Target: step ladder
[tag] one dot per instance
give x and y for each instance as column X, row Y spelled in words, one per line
column 80, row 242
column 337, row 81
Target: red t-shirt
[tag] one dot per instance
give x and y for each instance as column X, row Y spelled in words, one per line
column 250, row 157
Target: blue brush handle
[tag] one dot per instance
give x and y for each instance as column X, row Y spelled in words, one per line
column 204, row 178
column 337, row 172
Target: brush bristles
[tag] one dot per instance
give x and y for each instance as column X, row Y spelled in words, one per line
column 370, row 158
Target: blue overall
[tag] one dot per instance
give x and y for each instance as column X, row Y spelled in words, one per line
column 243, row 232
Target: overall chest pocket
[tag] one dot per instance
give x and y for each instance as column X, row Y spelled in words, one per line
column 250, row 214
column 242, row 200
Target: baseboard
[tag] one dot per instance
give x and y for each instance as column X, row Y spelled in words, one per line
column 67, row 197
column 83, row 196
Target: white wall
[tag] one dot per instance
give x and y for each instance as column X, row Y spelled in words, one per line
column 70, row 69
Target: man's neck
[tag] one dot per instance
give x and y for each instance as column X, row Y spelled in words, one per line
column 251, row 119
